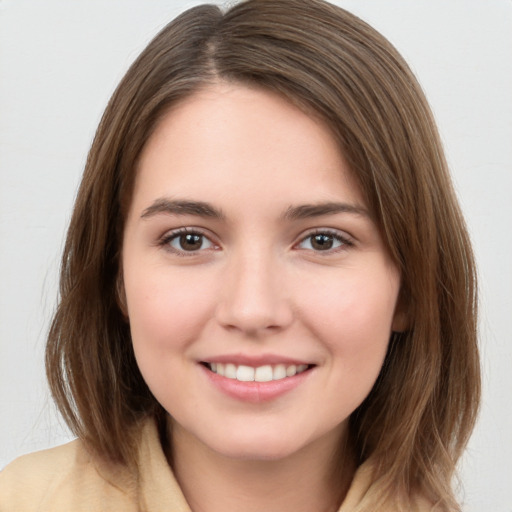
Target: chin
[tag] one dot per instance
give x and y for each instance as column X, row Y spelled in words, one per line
column 258, row 451
column 262, row 444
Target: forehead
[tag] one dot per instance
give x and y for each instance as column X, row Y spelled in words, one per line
column 230, row 141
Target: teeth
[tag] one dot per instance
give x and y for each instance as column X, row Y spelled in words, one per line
column 230, row 371
column 291, row 370
column 264, row 373
column 279, row 372
column 245, row 373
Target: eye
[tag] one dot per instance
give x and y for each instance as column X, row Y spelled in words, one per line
column 324, row 241
column 187, row 242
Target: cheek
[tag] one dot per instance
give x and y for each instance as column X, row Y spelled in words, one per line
column 352, row 320
column 165, row 311
column 353, row 316
column 166, row 315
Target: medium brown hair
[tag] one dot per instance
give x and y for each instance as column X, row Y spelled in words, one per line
column 417, row 419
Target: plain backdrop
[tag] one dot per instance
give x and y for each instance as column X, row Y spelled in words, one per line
column 61, row 60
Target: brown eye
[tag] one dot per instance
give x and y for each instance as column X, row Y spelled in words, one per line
column 324, row 241
column 189, row 242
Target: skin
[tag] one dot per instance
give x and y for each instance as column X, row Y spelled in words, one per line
column 255, row 285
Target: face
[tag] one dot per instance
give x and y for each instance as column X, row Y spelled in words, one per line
column 259, row 292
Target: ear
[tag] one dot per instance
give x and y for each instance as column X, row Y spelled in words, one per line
column 401, row 315
column 121, row 295
column 400, row 322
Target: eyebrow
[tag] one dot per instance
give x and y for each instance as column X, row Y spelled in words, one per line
column 307, row 211
column 202, row 209
column 182, row 207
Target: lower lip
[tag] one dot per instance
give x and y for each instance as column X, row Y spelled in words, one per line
column 255, row 392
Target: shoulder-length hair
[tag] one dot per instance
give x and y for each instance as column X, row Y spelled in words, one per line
column 417, row 419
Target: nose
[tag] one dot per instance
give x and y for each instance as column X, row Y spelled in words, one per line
column 253, row 296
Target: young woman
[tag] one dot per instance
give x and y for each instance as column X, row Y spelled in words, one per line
column 267, row 292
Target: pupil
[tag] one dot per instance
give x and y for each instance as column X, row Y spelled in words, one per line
column 190, row 242
column 322, row 242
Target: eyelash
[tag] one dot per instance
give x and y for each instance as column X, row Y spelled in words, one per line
column 165, row 241
column 344, row 240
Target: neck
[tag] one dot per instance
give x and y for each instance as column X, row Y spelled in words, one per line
column 316, row 478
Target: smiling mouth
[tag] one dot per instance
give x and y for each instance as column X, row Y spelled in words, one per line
column 265, row 373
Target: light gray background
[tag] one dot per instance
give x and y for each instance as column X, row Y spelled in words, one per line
column 59, row 63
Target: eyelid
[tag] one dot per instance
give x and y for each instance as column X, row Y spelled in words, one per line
column 165, row 239
column 342, row 236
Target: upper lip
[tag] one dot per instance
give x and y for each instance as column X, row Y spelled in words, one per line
column 254, row 360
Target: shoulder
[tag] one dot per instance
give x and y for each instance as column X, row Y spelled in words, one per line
column 28, row 478
column 60, row 479
column 365, row 493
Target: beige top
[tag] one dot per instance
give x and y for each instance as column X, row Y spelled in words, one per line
column 68, row 478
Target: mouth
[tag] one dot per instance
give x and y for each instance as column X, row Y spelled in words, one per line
column 264, row 373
